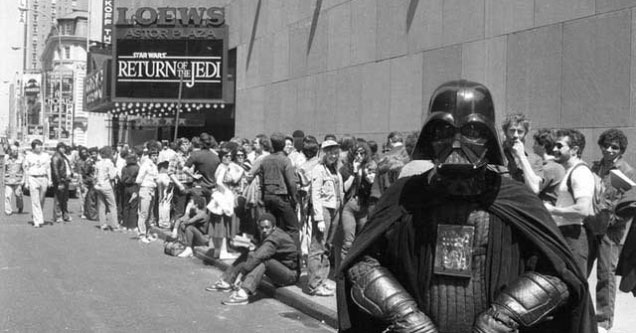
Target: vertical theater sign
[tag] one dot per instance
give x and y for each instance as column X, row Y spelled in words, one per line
column 166, row 54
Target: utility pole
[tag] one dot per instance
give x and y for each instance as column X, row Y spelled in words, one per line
column 59, row 72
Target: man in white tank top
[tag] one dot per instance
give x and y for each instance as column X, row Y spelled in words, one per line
column 574, row 194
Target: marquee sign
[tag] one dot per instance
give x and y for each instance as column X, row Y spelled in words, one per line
column 158, row 50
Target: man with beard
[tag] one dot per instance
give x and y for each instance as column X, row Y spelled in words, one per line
column 461, row 248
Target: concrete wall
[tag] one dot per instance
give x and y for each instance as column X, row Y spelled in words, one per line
column 367, row 67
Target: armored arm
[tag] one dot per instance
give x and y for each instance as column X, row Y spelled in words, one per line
column 378, row 293
column 524, row 303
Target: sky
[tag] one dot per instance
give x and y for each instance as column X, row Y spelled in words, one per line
column 10, row 60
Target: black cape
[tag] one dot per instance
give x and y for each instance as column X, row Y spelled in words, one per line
column 626, row 267
column 521, row 211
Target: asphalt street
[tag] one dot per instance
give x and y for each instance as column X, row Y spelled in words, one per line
column 74, row 277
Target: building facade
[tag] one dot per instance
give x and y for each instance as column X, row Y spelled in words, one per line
column 368, row 67
column 38, row 17
column 64, row 67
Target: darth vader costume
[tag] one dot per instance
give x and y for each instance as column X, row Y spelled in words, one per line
column 461, row 248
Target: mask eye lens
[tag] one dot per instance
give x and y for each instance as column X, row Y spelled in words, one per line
column 442, row 131
column 475, row 131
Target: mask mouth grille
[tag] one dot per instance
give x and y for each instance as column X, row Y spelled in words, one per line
column 457, row 157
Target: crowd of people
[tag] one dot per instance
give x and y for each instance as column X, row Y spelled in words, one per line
column 302, row 201
column 315, row 194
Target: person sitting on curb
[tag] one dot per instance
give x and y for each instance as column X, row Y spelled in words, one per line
column 276, row 256
column 193, row 227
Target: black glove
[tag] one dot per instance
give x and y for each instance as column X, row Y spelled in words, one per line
column 495, row 320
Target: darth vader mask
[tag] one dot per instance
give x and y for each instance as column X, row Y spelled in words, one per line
column 459, row 134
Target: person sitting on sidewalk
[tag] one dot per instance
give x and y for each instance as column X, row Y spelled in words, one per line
column 276, row 256
column 192, row 227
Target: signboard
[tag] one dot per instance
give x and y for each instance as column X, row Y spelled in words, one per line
column 32, row 93
column 108, row 7
column 160, row 122
column 59, row 99
column 36, row 130
column 96, row 89
column 158, row 50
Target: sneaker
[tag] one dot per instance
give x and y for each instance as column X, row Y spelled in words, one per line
column 58, row 220
column 144, row 239
column 187, row 253
column 37, row 226
column 83, row 216
column 220, row 286
column 229, row 255
column 236, row 299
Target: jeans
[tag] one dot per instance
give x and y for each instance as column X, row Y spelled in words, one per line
column 354, row 217
column 318, row 264
column 146, row 200
column 605, row 251
column 106, row 200
column 577, row 240
column 90, row 203
column 82, row 190
column 280, row 274
column 37, row 190
column 60, row 201
column 179, row 202
column 9, row 192
column 282, row 209
column 131, row 208
column 193, row 235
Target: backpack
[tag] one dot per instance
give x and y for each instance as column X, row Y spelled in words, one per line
column 598, row 220
column 173, row 248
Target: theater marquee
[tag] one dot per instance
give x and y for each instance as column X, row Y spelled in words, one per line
column 157, row 50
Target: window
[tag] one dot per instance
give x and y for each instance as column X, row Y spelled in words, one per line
column 67, row 52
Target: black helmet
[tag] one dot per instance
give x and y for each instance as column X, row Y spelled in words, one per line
column 460, row 128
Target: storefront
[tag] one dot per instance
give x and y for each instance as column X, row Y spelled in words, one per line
column 168, row 66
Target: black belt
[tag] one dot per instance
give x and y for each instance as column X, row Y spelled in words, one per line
column 38, row 176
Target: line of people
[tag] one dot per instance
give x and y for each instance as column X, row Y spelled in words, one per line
column 555, row 171
column 318, row 194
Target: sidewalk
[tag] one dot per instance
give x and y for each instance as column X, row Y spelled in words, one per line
column 321, row 308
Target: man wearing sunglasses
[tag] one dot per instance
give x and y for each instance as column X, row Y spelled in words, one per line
column 605, row 248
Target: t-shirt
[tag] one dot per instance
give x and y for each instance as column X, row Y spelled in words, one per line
column 582, row 182
column 553, row 173
column 205, row 163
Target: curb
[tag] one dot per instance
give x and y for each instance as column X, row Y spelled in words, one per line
column 283, row 294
